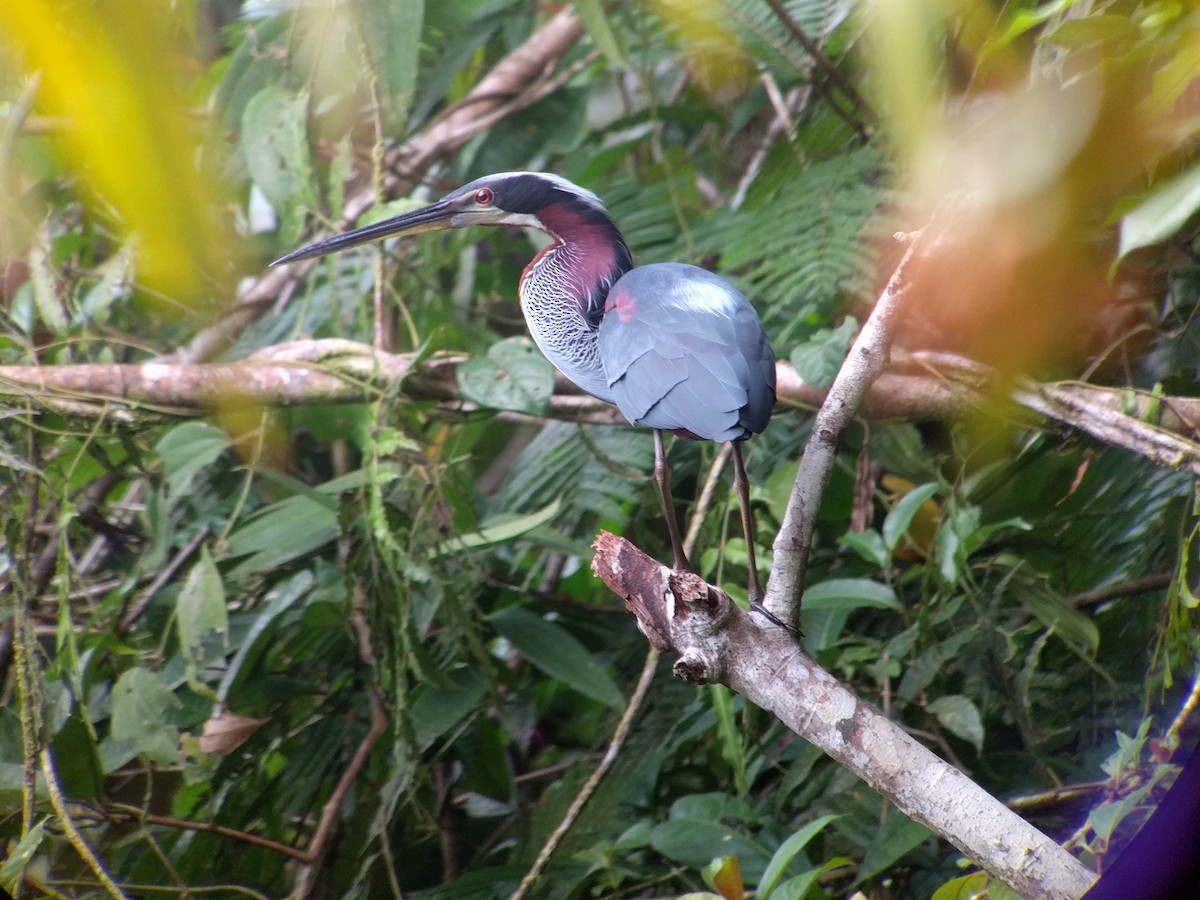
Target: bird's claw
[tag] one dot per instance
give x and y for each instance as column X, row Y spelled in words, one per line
column 756, row 605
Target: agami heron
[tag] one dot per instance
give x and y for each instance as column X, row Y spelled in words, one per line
column 672, row 346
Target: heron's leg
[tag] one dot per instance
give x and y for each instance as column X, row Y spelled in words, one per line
column 742, row 484
column 662, row 477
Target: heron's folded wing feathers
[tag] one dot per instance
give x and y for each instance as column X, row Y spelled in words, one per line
column 684, row 351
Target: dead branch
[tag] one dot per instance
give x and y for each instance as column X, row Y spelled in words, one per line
column 718, row 642
column 338, row 371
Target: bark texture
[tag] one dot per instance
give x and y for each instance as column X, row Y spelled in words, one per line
column 718, row 642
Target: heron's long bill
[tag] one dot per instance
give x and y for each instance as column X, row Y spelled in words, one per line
column 434, row 217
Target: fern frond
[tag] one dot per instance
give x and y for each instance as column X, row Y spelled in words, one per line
column 596, row 470
column 795, row 246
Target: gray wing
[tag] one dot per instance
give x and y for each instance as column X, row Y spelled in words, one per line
column 683, row 350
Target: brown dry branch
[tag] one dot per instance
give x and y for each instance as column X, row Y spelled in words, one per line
column 1097, row 412
column 522, row 78
column 719, row 643
column 123, row 812
column 337, row 371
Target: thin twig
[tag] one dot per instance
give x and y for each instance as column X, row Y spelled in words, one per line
column 863, row 364
column 780, row 123
column 163, row 578
column 636, row 701
column 124, row 812
column 360, row 624
column 24, row 653
column 825, row 64
column 1142, row 585
column 87, row 504
column 29, row 698
column 624, row 726
column 1046, row 801
column 59, row 801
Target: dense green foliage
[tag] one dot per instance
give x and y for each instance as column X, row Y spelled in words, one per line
column 269, row 571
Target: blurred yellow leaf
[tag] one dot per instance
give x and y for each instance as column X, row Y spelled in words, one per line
column 113, row 73
column 724, row 875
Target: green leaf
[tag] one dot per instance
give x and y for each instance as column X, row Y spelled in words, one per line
column 966, row 887
column 596, row 20
column 896, row 836
column 1162, row 213
column 1024, row 20
column 187, row 448
column 695, row 842
column 711, row 806
column 960, row 716
column 818, row 360
column 438, row 709
column 1091, row 30
column 787, row 852
column 514, row 375
column 796, row 243
column 113, row 284
column 45, row 293
column 141, row 702
column 895, row 526
column 14, row 866
column 1069, row 623
column 849, row 593
column 1128, row 754
column 274, row 144
column 635, row 837
column 869, row 545
column 499, row 530
column 258, row 60
column 391, row 33
column 557, row 653
column 80, row 769
column 799, row 886
column 200, row 610
column 998, row 890
column 254, row 643
column 282, row 532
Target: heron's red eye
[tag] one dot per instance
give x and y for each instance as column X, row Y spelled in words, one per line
column 484, row 197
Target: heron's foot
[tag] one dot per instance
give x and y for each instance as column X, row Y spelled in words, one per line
column 756, row 606
column 681, row 564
